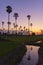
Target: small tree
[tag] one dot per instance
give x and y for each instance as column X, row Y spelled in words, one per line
column 16, row 15
column 2, row 24
column 31, row 26
column 28, row 16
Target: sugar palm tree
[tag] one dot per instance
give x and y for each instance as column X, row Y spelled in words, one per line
column 15, row 25
column 16, row 15
column 2, row 24
column 24, row 28
column 41, row 31
column 31, row 26
column 8, row 10
column 28, row 16
column 20, row 28
column 9, row 23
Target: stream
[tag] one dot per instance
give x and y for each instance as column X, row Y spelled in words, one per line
column 31, row 56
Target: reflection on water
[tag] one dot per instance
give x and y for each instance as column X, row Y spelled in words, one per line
column 32, row 52
column 38, row 41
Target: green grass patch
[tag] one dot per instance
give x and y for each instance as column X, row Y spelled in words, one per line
column 6, row 47
column 10, row 43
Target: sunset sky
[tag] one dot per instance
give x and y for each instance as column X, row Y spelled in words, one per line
column 23, row 8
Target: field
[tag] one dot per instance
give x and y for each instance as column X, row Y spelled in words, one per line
column 8, row 43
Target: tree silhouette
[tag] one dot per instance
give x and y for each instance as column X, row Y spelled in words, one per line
column 20, row 28
column 2, row 24
column 15, row 25
column 16, row 15
column 31, row 26
column 41, row 31
column 28, row 16
column 9, row 23
column 9, row 10
column 24, row 28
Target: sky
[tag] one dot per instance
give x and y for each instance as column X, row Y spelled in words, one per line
column 23, row 8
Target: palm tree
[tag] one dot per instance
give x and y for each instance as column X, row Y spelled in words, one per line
column 15, row 25
column 41, row 31
column 16, row 15
column 20, row 28
column 28, row 16
column 24, row 28
column 2, row 24
column 31, row 26
column 9, row 10
column 9, row 23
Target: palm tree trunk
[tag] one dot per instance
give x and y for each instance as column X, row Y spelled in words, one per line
column 31, row 29
column 2, row 28
column 8, row 22
column 16, row 25
column 29, row 26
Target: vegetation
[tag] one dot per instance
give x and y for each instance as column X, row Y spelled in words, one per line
column 6, row 47
column 16, row 16
column 8, row 43
column 9, row 10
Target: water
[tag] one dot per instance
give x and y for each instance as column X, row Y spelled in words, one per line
column 38, row 41
column 31, row 56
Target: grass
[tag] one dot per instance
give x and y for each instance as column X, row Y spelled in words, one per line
column 6, row 47
column 11, row 43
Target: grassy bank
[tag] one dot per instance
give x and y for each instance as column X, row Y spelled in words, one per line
column 14, row 57
column 40, row 52
column 8, row 43
column 7, row 46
